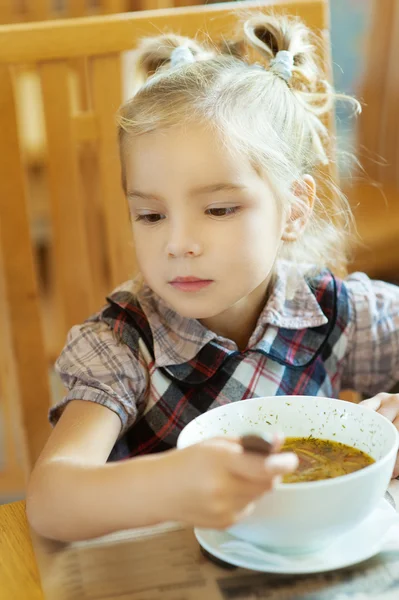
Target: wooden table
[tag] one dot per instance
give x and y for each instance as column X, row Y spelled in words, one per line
column 19, row 576
column 119, row 567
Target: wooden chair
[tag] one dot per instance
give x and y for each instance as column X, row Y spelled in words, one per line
column 19, row 11
column 81, row 205
column 29, row 100
column 377, row 197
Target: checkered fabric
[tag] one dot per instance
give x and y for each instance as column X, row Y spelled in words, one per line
column 158, row 370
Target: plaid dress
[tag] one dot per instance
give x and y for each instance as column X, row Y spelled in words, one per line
column 158, row 370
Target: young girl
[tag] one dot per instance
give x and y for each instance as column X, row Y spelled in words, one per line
column 219, row 159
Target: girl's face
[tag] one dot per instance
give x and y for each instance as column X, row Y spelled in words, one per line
column 207, row 227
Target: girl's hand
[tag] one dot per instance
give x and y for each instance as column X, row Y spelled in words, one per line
column 214, row 484
column 388, row 406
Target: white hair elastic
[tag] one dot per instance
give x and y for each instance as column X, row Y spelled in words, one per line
column 180, row 56
column 282, row 64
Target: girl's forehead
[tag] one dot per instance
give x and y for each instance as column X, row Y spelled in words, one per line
column 196, row 153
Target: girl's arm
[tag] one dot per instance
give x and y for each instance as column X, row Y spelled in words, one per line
column 371, row 366
column 74, row 494
column 388, row 406
column 371, row 363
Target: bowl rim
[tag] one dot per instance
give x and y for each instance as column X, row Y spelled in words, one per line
column 291, row 487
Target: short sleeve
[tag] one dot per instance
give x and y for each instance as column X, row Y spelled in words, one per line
column 96, row 367
column 371, row 364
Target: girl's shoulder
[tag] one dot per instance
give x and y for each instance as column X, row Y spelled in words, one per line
column 97, row 365
column 372, row 360
column 124, row 314
column 306, row 289
column 353, row 300
column 116, row 329
column 371, row 300
column 357, row 300
column 357, row 290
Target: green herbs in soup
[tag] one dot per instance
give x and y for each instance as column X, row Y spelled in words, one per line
column 323, row 459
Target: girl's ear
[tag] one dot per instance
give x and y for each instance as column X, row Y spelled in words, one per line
column 305, row 190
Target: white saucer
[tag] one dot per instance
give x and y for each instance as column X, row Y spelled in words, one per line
column 361, row 543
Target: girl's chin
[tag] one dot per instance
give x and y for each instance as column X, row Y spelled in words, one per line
column 194, row 310
column 195, row 314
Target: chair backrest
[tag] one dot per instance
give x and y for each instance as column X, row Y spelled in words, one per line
column 20, row 11
column 378, row 127
column 375, row 195
column 89, row 216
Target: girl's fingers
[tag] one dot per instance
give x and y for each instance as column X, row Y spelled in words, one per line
column 257, row 469
column 396, row 468
column 245, row 491
column 280, row 464
column 278, row 441
column 373, row 403
column 385, row 404
column 390, row 408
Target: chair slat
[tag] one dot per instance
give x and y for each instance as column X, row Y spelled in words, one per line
column 68, row 211
column 20, row 283
column 85, row 127
column 107, row 96
column 156, row 4
column 110, row 7
column 9, row 414
column 116, row 33
column 39, row 10
column 389, row 133
column 95, row 226
column 374, row 87
column 12, row 482
column 76, row 8
column 7, row 13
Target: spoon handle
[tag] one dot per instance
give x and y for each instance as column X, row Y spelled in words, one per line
column 257, row 443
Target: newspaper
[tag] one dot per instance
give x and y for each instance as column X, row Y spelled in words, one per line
column 166, row 563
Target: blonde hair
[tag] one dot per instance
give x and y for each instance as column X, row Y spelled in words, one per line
column 277, row 124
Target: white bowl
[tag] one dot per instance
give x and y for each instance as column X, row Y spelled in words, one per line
column 303, row 517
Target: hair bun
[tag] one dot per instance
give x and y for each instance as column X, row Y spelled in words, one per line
column 282, row 64
column 156, row 53
column 182, row 55
column 271, row 35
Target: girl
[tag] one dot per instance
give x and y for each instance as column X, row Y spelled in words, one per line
column 219, row 160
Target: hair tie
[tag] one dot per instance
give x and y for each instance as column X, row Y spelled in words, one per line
column 282, row 64
column 180, row 56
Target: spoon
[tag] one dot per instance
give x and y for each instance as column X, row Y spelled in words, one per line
column 260, row 444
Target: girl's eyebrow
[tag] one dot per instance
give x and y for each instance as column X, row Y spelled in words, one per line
column 137, row 194
column 197, row 191
column 216, row 187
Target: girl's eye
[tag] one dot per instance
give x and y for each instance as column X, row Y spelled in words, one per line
column 150, row 218
column 222, row 211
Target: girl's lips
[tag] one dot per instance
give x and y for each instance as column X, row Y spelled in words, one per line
column 190, row 284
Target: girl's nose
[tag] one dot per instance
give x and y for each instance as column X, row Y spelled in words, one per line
column 183, row 243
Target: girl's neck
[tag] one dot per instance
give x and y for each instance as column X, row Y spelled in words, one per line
column 238, row 322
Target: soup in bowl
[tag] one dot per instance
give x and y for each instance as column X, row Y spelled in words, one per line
column 323, row 459
column 304, row 515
